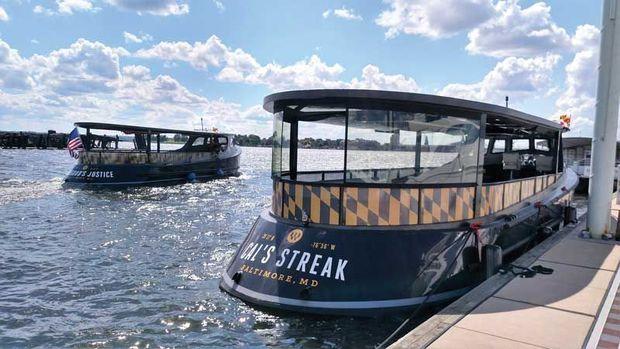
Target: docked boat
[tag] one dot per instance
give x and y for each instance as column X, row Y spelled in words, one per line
column 102, row 162
column 399, row 211
column 577, row 154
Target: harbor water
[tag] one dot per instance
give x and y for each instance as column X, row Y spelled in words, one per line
column 140, row 267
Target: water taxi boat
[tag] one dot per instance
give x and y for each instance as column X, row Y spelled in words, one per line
column 200, row 156
column 577, row 154
column 411, row 183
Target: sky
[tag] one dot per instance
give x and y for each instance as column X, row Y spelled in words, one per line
column 170, row 63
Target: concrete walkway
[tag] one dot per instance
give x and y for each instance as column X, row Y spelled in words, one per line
column 574, row 307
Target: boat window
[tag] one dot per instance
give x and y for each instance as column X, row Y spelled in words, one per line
column 375, row 146
column 542, row 145
column 321, row 148
column 486, row 144
column 286, row 147
column 198, row 142
column 399, row 147
column 223, row 142
column 499, row 146
column 276, row 149
column 520, row 144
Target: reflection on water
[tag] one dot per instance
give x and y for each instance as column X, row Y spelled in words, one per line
column 139, row 267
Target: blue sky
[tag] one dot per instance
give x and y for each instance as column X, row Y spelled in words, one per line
column 170, row 62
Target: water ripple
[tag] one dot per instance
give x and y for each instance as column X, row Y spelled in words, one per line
column 139, row 268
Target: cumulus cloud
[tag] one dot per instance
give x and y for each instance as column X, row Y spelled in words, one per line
column 430, row 18
column 42, row 10
column 344, row 13
column 579, row 96
column 4, row 17
column 236, row 65
column 515, row 31
column 136, row 38
column 70, row 6
column 86, row 81
column 153, row 7
column 67, row 7
column 519, row 78
column 14, row 74
column 373, row 78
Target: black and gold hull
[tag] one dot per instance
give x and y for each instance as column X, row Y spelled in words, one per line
column 346, row 250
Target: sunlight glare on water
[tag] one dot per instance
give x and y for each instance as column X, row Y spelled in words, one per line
column 139, row 267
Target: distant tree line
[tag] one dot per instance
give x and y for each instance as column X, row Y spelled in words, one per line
column 253, row 140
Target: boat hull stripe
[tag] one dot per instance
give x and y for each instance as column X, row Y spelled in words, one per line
column 378, row 304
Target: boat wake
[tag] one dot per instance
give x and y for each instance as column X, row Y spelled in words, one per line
column 15, row 190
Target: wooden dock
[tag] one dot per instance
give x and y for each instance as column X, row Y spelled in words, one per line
column 574, row 307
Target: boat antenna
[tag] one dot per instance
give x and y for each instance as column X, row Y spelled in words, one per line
column 202, row 126
column 507, row 99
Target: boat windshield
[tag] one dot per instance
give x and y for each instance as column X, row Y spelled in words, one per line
column 375, row 146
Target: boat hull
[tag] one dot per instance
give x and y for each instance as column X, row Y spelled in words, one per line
column 339, row 270
column 106, row 175
column 373, row 271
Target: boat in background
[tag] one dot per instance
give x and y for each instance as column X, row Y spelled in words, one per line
column 421, row 186
column 104, row 162
column 577, row 155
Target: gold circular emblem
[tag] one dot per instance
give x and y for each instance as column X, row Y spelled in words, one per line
column 294, row 235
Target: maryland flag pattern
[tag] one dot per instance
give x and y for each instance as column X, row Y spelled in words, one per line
column 439, row 205
column 512, row 194
column 565, row 121
column 527, row 188
column 399, row 206
column 380, row 206
column 491, row 200
column 320, row 203
column 276, row 199
column 540, row 184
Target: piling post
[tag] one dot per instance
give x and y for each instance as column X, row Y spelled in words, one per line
column 605, row 124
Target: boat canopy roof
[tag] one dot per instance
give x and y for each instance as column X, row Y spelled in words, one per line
column 321, row 105
column 130, row 129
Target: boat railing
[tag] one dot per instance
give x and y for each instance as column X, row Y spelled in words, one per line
column 351, row 203
column 361, row 176
column 137, row 158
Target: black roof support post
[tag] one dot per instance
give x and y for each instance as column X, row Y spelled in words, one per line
column 293, row 146
column 480, row 167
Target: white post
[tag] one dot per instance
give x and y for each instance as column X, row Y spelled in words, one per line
column 605, row 124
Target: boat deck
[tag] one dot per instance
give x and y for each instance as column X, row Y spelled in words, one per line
column 576, row 306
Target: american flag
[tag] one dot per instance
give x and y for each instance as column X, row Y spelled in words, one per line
column 74, row 144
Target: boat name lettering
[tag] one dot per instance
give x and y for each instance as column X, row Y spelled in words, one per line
column 92, row 174
column 297, row 260
column 277, row 276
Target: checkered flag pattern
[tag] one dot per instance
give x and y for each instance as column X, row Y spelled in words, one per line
column 320, row 203
column 399, row 206
column 446, row 205
column 380, row 206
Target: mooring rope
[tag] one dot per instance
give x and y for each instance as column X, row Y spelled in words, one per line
column 428, row 296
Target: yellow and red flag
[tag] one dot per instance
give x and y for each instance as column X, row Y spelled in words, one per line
column 565, row 120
